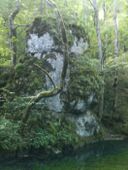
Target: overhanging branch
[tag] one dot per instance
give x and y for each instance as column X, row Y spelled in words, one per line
column 45, row 72
column 38, row 97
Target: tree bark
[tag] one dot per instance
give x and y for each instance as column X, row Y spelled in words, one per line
column 97, row 26
column 96, row 17
column 41, row 7
column 116, row 53
column 13, row 34
column 104, row 10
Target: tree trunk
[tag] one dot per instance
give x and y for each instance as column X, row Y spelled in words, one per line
column 104, row 10
column 41, row 7
column 13, row 34
column 97, row 26
column 65, row 3
column 116, row 53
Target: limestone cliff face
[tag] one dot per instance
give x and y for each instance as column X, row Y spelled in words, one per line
column 43, row 43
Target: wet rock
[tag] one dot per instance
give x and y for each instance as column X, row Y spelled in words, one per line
column 80, row 106
column 86, row 125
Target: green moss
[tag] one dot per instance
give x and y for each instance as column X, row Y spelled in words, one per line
column 41, row 26
column 85, row 78
column 5, row 73
column 79, row 32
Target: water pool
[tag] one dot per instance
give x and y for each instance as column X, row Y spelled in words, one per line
column 106, row 155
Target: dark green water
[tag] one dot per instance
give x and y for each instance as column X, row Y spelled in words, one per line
column 108, row 155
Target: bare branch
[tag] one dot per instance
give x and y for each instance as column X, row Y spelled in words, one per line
column 22, row 25
column 44, row 71
column 91, row 3
column 6, row 91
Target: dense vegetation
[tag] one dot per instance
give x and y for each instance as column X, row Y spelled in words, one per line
column 102, row 70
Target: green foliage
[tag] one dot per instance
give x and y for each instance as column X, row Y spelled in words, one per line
column 55, row 135
column 9, row 136
column 46, row 131
column 4, row 44
column 13, row 107
column 119, row 119
column 42, row 131
column 85, row 77
column 26, row 77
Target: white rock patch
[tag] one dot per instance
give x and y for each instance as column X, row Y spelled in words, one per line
column 79, row 46
column 54, row 103
column 86, row 125
column 40, row 44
